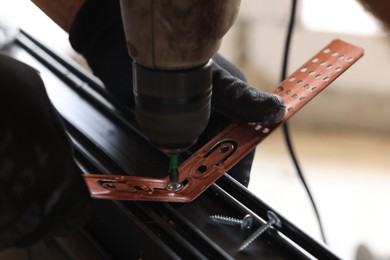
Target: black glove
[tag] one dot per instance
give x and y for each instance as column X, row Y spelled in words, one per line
column 41, row 188
column 97, row 33
column 236, row 100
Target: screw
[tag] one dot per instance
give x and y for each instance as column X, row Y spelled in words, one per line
column 273, row 221
column 173, row 173
column 174, row 186
column 245, row 223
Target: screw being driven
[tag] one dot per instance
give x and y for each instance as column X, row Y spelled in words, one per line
column 174, row 186
column 245, row 223
column 173, row 173
column 273, row 221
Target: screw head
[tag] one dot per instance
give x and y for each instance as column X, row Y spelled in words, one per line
column 273, row 217
column 174, row 186
column 247, row 222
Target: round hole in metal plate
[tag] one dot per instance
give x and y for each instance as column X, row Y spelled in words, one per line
column 314, row 89
column 294, row 96
column 327, row 50
column 338, row 69
column 288, row 92
column 350, row 59
column 280, row 88
column 290, row 109
column 302, row 98
column 258, row 127
column 315, row 60
column 326, row 78
column 304, row 69
column 300, row 82
column 291, row 79
column 318, row 76
column 311, row 73
column 323, row 63
column 202, row 169
column 334, row 54
column 329, row 67
column 306, row 86
column 341, row 57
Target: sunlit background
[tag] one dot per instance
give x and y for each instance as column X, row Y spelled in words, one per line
column 342, row 139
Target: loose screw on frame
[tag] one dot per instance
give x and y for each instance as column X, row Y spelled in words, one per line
column 273, row 221
column 245, row 223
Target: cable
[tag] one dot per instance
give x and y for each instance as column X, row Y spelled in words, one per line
column 285, row 128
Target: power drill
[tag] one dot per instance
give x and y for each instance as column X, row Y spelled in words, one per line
column 171, row 43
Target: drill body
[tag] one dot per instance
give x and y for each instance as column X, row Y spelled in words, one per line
column 171, row 43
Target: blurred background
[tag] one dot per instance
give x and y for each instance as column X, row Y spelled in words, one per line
column 341, row 139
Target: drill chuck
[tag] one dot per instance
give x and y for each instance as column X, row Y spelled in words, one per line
column 172, row 107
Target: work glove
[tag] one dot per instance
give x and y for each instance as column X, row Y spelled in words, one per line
column 97, row 33
column 42, row 192
column 234, row 100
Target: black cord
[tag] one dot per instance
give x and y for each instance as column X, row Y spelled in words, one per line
column 285, row 125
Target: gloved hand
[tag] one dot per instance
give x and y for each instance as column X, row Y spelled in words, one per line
column 41, row 188
column 236, row 100
column 97, row 33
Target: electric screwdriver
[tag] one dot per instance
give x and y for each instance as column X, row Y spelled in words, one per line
column 171, row 43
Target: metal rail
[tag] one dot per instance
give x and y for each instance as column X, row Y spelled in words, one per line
column 103, row 141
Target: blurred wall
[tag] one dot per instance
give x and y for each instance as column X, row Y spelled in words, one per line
column 357, row 101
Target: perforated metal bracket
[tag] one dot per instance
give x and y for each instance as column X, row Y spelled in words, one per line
column 224, row 151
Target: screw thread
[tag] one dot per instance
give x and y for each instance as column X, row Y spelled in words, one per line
column 256, row 234
column 226, row 220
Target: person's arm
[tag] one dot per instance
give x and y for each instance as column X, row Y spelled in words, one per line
column 380, row 9
column 62, row 12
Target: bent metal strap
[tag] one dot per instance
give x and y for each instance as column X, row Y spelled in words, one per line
column 221, row 153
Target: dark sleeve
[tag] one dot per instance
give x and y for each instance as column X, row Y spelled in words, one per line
column 97, row 33
column 41, row 190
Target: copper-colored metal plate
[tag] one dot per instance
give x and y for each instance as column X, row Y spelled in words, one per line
column 220, row 154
